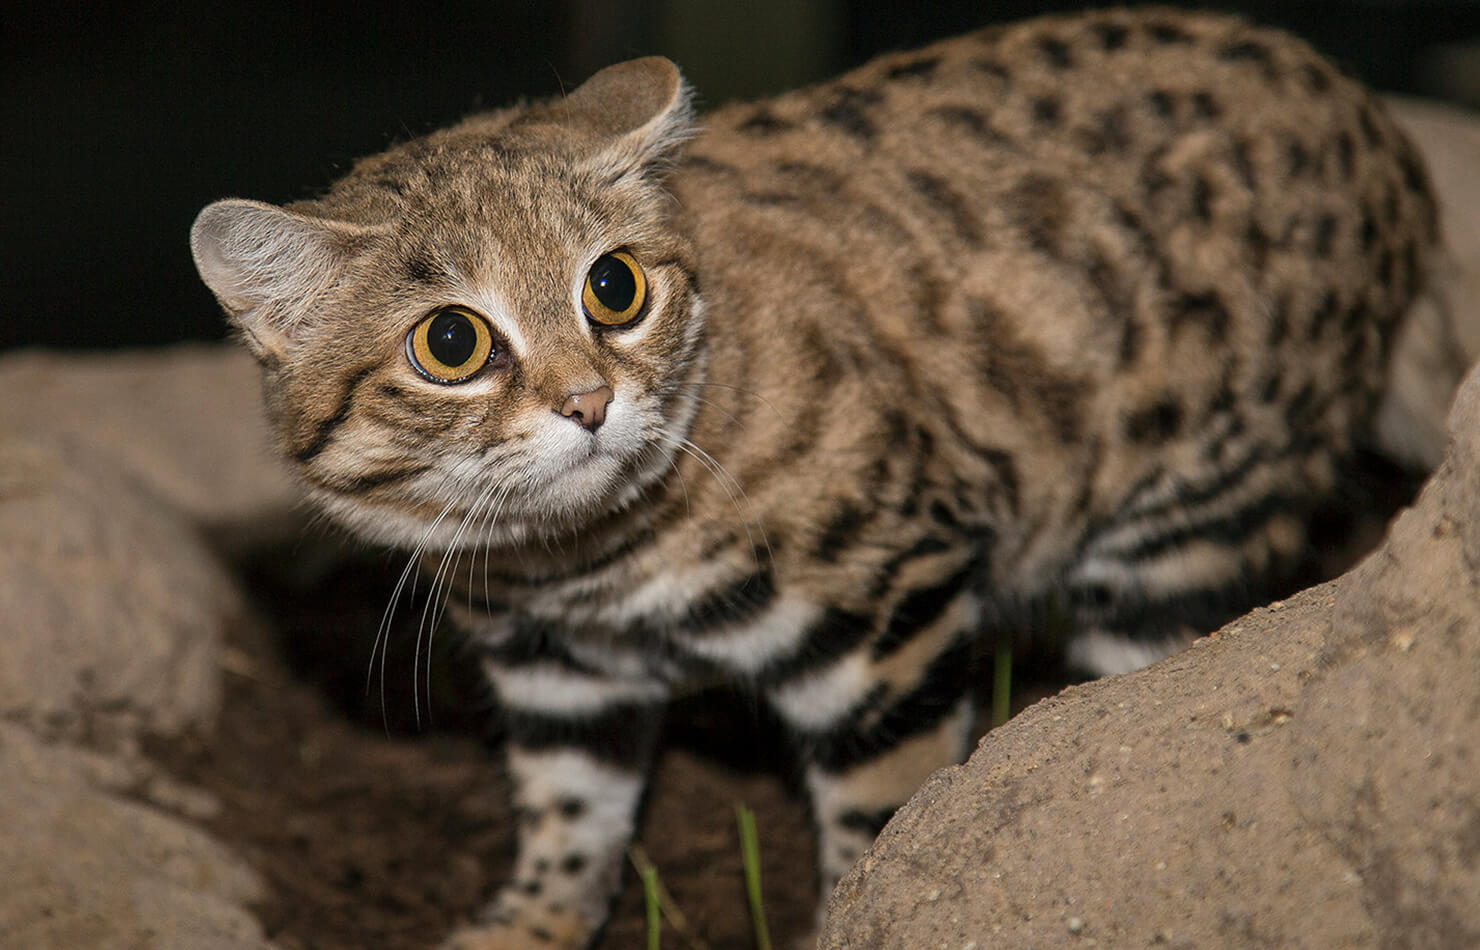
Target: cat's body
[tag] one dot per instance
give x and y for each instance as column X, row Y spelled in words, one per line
column 1073, row 319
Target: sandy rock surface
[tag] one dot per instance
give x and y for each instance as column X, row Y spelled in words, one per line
column 114, row 609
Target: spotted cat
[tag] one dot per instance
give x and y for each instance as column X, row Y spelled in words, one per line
column 1076, row 318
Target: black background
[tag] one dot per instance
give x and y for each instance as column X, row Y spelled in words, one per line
column 119, row 125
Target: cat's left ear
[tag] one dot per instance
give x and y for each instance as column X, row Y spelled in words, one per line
column 636, row 113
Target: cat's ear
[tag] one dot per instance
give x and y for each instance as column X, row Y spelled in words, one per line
column 638, row 113
column 267, row 265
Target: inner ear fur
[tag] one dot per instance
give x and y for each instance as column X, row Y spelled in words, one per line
column 266, row 265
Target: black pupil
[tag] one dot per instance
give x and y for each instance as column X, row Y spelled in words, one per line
column 612, row 283
column 452, row 338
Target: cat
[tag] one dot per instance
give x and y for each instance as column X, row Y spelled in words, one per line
column 1074, row 318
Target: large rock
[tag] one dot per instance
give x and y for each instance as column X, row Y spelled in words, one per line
column 113, row 612
column 1307, row 777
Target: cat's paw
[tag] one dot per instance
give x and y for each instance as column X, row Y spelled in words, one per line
column 522, row 927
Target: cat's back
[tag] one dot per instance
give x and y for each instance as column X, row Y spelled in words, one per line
column 1100, row 246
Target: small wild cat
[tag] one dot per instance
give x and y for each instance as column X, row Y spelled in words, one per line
column 1075, row 318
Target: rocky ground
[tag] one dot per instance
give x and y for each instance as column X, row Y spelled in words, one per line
column 189, row 757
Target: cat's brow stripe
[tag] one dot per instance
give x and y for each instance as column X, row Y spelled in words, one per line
column 324, row 431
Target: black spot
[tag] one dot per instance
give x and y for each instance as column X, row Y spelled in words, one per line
column 1413, row 173
column 992, row 68
column 573, row 863
column 1107, row 134
column 1047, row 110
column 541, row 934
column 1387, row 266
column 1205, row 105
column 1325, row 235
column 571, row 808
column 764, row 122
column 1112, row 36
column 1155, row 424
column 1243, row 163
column 1038, row 207
column 1324, row 315
column 1202, row 198
column 944, row 199
column 840, row 532
column 1369, row 227
column 1163, row 32
column 1204, row 308
column 1251, row 51
column 870, row 822
column 532, row 887
column 1055, row 52
column 1258, row 243
column 705, row 163
column 972, row 121
column 1162, row 103
column 1271, row 391
column 1297, row 159
column 846, row 112
column 1242, row 738
column 1316, row 78
column 1346, row 154
column 915, row 69
column 1279, row 321
column 1371, row 129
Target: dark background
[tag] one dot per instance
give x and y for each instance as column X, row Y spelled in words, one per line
column 119, row 125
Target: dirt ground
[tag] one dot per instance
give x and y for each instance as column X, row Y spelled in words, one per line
column 375, row 830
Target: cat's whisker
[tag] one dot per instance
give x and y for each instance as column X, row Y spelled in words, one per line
column 432, row 611
column 728, row 482
column 739, row 389
column 382, row 635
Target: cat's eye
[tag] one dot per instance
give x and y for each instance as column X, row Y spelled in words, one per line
column 615, row 290
column 449, row 345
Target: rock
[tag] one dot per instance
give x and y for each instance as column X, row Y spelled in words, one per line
column 115, row 609
column 1306, row 777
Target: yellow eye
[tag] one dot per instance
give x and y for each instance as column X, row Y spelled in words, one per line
column 449, row 345
column 615, row 290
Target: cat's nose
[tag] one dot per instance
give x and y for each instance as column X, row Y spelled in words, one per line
column 589, row 409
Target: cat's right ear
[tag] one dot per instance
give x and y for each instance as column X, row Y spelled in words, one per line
column 267, row 266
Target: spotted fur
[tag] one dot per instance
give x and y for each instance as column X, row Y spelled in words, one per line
column 1076, row 318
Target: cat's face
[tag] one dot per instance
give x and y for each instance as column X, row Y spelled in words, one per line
column 488, row 334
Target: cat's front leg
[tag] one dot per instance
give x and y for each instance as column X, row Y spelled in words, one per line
column 579, row 746
column 873, row 725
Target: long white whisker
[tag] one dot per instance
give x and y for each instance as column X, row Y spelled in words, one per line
column 382, row 634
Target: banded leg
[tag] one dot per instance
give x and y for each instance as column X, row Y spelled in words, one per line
column 579, row 748
column 873, row 725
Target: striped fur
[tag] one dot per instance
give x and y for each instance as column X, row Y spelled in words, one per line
column 1076, row 318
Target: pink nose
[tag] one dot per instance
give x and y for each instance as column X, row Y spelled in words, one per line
column 589, row 409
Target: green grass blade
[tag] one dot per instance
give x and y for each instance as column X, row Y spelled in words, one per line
column 750, row 854
column 650, row 899
column 1002, row 681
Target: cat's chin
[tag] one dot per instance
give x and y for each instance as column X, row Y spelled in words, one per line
column 545, row 507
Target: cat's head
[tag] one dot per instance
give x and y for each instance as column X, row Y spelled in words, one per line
column 495, row 326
